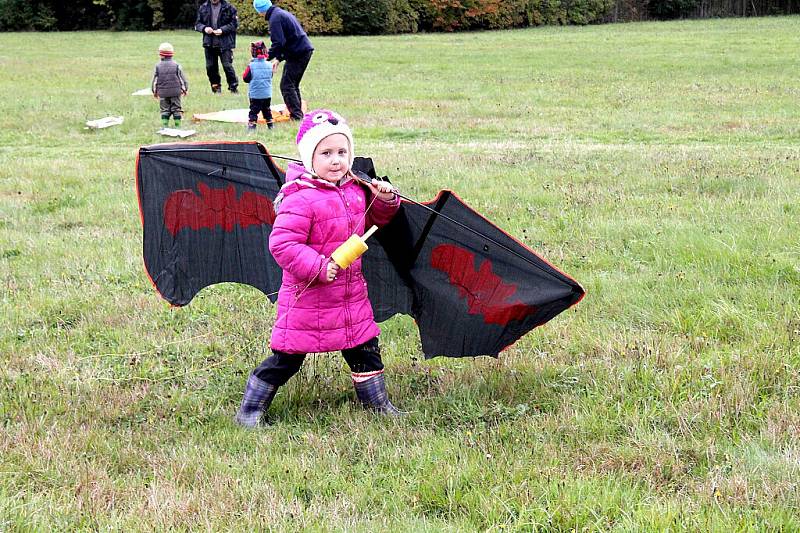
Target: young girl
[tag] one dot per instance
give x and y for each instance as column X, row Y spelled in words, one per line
column 321, row 307
column 259, row 75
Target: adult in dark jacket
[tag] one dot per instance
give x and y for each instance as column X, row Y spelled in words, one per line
column 217, row 20
column 290, row 44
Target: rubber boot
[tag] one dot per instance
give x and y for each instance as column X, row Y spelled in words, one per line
column 372, row 395
column 258, row 396
column 165, row 121
column 177, row 121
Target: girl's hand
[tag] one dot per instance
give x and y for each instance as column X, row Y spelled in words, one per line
column 333, row 269
column 383, row 190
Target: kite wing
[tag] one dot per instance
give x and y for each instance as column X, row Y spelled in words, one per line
column 207, row 213
column 472, row 288
column 207, row 210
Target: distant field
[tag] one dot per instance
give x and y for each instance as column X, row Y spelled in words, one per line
column 658, row 164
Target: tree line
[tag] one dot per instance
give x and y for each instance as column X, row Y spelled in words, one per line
column 372, row 17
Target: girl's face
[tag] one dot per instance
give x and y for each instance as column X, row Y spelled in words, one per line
column 331, row 160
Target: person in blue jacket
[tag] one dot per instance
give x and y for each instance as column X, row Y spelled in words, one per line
column 218, row 20
column 290, row 44
column 259, row 75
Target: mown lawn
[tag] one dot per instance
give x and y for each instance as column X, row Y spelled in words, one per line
column 658, row 164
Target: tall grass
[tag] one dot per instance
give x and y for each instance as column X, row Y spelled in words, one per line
column 656, row 163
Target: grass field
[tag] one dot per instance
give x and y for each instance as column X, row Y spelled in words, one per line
column 658, row 164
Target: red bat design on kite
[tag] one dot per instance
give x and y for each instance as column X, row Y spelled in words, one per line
column 486, row 293
column 216, row 207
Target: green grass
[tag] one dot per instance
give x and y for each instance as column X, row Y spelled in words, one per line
column 656, row 163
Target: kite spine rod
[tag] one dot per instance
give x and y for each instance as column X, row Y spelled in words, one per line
column 437, row 213
column 163, row 150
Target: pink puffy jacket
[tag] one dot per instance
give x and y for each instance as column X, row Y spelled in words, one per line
column 314, row 217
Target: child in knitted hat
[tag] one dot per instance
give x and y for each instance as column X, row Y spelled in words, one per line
column 258, row 75
column 168, row 85
column 322, row 307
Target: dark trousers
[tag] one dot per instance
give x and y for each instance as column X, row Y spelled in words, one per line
column 279, row 367
column 293, row 72
column 170, row 106
column 260, row 105
column 212, row 67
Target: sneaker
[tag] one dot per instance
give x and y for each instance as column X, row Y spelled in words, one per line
column 216, row 89
column 233, row 90
column 270, row 125
column 251, row 126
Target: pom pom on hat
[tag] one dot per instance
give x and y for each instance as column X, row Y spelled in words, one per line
column 165, row 49
column 317, row 125
column 262, row 5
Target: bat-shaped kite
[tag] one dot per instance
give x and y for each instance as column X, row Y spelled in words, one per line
column 207, row 211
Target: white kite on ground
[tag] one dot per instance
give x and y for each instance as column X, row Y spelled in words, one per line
column 143, row 92
column 172, row 132
column 104, row 122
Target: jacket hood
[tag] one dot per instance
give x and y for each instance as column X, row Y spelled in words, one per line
column 296, row 171
column 297, row 178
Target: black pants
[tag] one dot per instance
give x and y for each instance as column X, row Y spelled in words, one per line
column 260, row 105
column 279, row 367
column 293, row 72
column 212, row 67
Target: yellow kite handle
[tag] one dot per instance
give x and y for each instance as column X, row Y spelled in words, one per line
column 352, row 249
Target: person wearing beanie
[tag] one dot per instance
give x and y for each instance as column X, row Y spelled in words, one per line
column 258, row 75
column 290, row 44
column 168, row 85
column 322, row 307
column 218, row 20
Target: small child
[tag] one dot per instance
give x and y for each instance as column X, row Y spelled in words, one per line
column 168, row 85
column 322, row 308
column 259, row 75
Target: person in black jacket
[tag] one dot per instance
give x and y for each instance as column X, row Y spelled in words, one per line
column 218, row 20
column 291, row 44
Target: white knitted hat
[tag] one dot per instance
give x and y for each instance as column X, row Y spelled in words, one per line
column 317, row 125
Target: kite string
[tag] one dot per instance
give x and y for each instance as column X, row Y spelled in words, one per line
column 428, row 208
column 364, row 217
column 471, row 230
